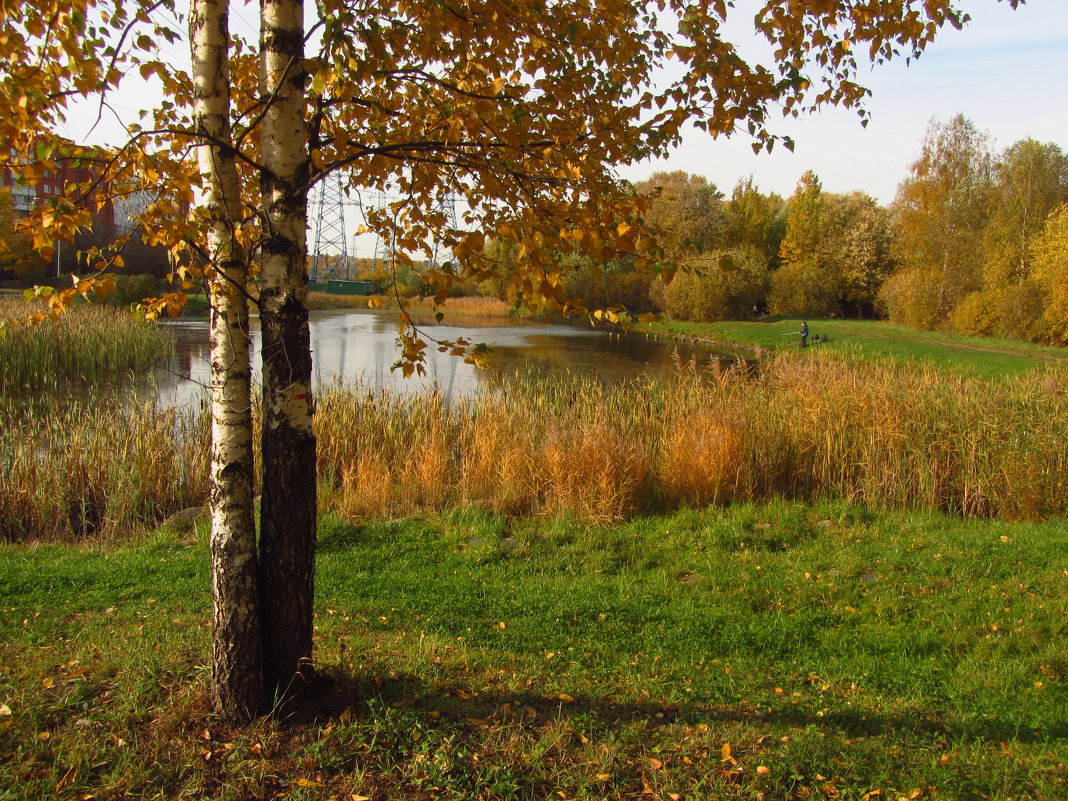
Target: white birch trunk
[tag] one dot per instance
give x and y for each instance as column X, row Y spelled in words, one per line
column 288, row 504
column 237, row 668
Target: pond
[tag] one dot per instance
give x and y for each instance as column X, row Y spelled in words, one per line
column 360, row 347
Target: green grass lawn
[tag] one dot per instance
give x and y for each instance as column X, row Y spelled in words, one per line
column 878, row 340
column 777, row 652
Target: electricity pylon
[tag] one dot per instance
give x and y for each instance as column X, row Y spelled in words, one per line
column 330, row 255
column 447, row 205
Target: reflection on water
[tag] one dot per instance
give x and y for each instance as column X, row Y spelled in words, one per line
column 360, row 347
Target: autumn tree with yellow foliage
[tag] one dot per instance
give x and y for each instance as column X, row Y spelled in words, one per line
column 520, row 108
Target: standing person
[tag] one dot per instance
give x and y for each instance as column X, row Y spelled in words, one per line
column 804, row 334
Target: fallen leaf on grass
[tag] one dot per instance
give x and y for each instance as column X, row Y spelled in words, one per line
column 5, row 711
column 309, row 783
column 725, row 754
column 357, row 797
column 48, row 682
column 655, row 764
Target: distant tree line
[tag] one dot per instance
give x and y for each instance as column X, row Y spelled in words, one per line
column 975, row 242
column 981, row 239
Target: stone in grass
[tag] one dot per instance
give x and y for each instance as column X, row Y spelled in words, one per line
column 690, row 579
column 184, row 520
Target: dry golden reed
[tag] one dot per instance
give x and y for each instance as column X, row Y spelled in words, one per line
column 73, row 471
column 802, row 426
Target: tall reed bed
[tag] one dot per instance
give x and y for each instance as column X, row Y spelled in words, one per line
column 87, row 343
column 808, row 427
column 101, row 470
column 803, row 427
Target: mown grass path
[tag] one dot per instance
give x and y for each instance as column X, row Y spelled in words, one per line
column 787, row 650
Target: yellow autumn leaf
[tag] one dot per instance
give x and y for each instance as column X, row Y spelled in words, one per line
column 309, row 783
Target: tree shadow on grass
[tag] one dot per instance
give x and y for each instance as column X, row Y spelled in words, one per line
column 450, row 704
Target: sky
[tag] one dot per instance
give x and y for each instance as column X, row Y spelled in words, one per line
column 1006, row 71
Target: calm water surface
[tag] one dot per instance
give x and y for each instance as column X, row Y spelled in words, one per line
column 360, row 347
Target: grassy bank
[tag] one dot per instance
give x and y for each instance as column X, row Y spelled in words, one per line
column 785, row 650
column 877, row 341
column 87, row 343
column 803, row 426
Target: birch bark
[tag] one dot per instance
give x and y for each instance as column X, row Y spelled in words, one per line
column 288, row 503
column 237, row 688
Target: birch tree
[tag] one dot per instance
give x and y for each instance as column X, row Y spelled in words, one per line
column 1030, row 180
column 940, row 213
column 237, row 679
column 522, row 109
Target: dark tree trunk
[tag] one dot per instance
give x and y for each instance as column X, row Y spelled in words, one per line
column 288, row 502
